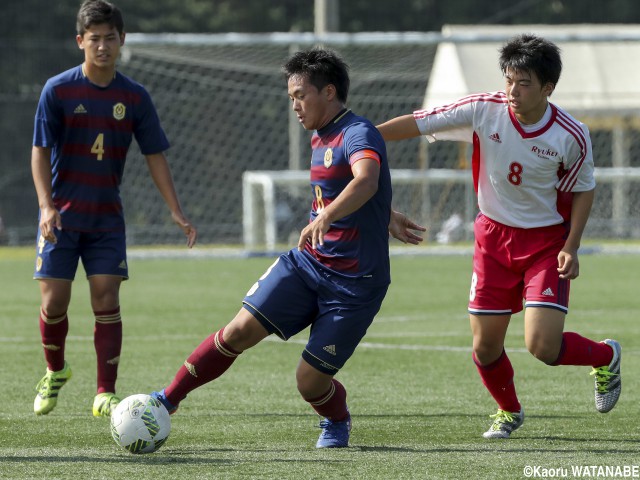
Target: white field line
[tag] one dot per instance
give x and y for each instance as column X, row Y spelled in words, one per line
column 291, row 341
column 391, row 346
column 200, row 252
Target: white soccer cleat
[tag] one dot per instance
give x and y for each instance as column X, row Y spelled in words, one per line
column 504, row 423
column 608, row 382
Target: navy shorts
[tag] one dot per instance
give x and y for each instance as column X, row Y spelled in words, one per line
column 103, row 253
column 295, row 292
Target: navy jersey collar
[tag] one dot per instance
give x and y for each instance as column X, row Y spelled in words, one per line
column 334, row 121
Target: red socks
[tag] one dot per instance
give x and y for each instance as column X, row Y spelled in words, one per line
column 498, row 378
column 333, row 404
column 53, row 332
column 206, row 363
column 213, row 357
column 575, row 350
column 578, row 350
column 107, row 339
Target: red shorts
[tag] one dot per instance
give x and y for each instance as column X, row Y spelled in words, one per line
column 511, row 264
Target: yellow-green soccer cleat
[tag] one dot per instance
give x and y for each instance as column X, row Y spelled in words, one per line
column 608, row 383
column 104, row 404
column 504, row 423
column 48, row 389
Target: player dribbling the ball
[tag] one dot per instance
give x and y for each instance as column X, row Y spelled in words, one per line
column 337, row 277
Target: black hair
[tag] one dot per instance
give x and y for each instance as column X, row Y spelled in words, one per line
column 96, row 12
column 532, row 54
column 320, row 67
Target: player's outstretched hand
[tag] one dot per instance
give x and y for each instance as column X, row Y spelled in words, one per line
column 187, row 227
column 400, row 227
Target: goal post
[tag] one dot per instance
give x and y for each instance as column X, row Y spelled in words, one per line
column 266, row 207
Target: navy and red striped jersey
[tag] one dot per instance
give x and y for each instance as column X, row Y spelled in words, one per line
column 89, row 129
column 358, row 244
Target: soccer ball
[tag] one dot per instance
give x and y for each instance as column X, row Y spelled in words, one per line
column 140, row 424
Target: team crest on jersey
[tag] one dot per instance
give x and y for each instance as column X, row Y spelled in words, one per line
column 328, row 158
column 38, row 263
column 119, row 111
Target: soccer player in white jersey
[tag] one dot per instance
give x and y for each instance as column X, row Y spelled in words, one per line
column 533, row 174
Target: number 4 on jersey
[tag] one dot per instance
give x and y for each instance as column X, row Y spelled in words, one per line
column 98, row 146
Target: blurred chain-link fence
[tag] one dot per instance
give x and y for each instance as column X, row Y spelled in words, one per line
column 224, row 106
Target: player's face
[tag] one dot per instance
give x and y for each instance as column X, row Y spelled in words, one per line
column 312, row 106
column 527, row 97
column 101, row 44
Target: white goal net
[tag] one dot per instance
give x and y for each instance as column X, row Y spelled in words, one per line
column 240, row 164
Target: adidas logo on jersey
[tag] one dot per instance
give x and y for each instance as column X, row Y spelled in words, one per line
column 123, row 265
column 548, row 292
column 80, row 109
column 495, row 137
column 330, row 349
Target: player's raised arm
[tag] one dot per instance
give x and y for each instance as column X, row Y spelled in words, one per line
column 399, row 128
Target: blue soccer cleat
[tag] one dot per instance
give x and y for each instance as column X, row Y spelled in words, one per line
column 334, row 434
column 163, row 400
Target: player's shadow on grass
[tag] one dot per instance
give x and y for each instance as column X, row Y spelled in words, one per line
column 616, row 440
column 388, row 449
column 149, row 459
column 309, row 415
column 490, row 448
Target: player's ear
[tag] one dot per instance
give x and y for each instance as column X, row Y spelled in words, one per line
column 122, row 35
column 548, row 89
column 80, row 41
column 330, row 91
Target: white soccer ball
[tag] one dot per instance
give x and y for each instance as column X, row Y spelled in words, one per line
column 140, row 424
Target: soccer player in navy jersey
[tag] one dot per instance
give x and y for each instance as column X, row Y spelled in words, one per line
column 336, row 278
column 84, row 124
column 533, row 173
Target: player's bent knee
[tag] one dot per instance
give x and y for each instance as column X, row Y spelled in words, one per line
column 311, row 382
column 53, row 309
column 545, row 353
column 313, row 389
column 487, row 354
column 244, row 331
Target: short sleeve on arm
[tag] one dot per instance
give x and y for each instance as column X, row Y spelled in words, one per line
column 149, row 134
column 48, row 119
column 363, row 141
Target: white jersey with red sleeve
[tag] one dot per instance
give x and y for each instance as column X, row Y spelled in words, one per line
column 518, row 174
